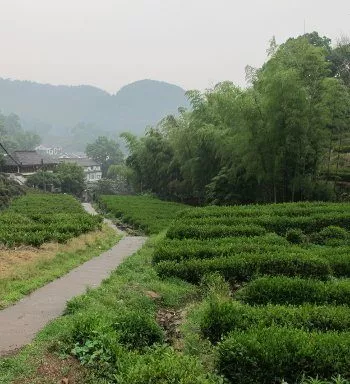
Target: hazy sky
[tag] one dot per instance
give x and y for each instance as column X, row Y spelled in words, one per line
column 192, row 43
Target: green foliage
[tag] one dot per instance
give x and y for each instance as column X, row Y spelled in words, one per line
column 122, row 175
column 43, row 180
column 9, row 189
column 335, row 380
column 295, row 236
column 143, row 212
column 14, row 137
column 244, row 267
column 185, row 249
column 218, row 317
column 137, row 330
column 207, row 231
column 114, row 332
column 243, row 242
column 106, row 152
column 163, row 365
column 274, row 354
column 38, row 218
column 331, row 234
column 270, row 142
column 71, row 177
column 295, row 291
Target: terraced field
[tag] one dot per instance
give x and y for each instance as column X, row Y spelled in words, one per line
column 285, row 313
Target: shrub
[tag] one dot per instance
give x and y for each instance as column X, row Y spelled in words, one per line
column 274, row 354
column 330, row 235
column 163, row 365
column 246, row 266
column 137, row 330
column 295, row 291
column 339, row 260
column 219, row 317
column 178, row 250
column 38, row 218
column 208, row 231
column 295, row 236
column 142, row 212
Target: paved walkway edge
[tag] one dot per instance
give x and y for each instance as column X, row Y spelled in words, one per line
column 20, row 322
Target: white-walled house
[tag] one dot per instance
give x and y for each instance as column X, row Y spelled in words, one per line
column 92, row 169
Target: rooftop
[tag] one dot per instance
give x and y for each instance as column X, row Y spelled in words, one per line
column 28, row 158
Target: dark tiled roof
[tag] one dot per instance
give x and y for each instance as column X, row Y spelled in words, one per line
column 29, row 158
column 83, row 162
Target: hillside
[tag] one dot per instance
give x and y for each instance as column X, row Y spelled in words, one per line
column 59, row 113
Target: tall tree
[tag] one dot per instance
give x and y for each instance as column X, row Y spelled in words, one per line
column 106, row 152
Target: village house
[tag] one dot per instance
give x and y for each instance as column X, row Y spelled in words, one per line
column 92, row 169
column 26, row 163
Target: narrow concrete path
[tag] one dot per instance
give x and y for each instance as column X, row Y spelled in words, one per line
column 20, row 323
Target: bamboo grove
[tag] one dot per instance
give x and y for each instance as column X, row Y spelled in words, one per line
column 285, row 137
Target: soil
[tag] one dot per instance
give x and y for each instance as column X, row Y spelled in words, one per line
column 171, row 320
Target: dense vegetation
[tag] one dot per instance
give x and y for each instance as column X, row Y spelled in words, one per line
column 146, row 213
column 287, row 266
column 38, row 218
column 304, row 239
column 280, row 313
column 13, row 137
column 283, row 138
column 8, row 190
column 66, row 177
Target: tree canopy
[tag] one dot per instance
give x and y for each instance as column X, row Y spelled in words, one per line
column 14, row 137
column 106, row 152
column 269, row 142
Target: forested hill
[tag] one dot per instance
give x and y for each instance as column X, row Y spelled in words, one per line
column 55, row 111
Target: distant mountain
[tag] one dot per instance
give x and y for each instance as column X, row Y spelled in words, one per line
column 63, row 114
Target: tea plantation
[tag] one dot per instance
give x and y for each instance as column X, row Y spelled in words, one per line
column 146, row 213
column 242, row 294
column 285, row 314
column 38, row 218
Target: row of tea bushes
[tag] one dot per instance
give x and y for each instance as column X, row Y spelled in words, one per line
column 210, row 227
column 219, row 317
column 278, row 354
column 146, row 213
column 292, row 319
column 295, row 291
column 184, row 230
column 244, row 267
column 185, row 249
column 252, row 211
column 40, row 218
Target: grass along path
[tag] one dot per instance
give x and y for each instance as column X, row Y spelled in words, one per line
column 27, row 268
column 112, row 331
column 19, row 323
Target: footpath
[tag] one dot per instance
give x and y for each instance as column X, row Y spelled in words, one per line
column 21, row 322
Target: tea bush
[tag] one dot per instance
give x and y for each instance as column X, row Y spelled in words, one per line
column 179, row 250
column 219, row 317
column 38, row 218
column 149, row 214
column 164, row 365
column 244, row 267
column 137, row 330
column 295, row 291
column 208, row 231
column 274, row 354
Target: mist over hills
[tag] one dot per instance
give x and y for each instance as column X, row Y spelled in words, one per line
column 71, row 116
